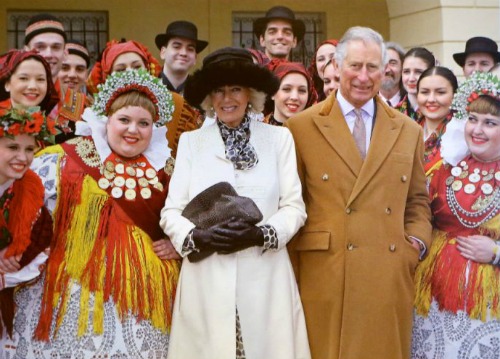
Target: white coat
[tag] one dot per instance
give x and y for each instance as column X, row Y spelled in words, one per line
column 260, row 284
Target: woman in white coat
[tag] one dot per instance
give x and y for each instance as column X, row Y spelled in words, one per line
column 242, row 301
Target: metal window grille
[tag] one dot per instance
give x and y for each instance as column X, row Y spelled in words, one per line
column 315, row 33
column 91, row 28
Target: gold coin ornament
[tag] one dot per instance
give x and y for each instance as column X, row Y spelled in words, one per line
column 456, row 185
column 153, row 180
column 146, row 193
column 116, row 192
column 128, row 179
column 130, row 171
column 103, row 183
column 456, row 171
column 487, row 188
column 469, row 188
column 150, row 173
column 130, row 183
column 119, row 181
column 130, row 194
column 120, row 168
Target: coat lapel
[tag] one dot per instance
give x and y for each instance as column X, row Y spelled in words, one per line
column 332, row 125
column 385, row 134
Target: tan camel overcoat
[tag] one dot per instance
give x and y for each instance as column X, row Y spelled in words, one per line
column 353, row 258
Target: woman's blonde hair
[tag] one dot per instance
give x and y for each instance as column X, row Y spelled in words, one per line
column 257, row 100
column 133, row 98
column 485, row 105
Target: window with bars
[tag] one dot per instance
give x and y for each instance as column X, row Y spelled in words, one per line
column 315, row 33
column 89, row 27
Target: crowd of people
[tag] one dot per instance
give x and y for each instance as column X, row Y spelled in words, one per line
column 254, row 208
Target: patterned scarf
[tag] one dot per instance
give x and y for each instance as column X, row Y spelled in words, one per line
column 238, row 147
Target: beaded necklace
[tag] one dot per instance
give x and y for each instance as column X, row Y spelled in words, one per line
column 470, row 181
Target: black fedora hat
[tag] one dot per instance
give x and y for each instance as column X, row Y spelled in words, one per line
column 228, row 66
column 184, row 29
column 280, row 13
column 475, row 45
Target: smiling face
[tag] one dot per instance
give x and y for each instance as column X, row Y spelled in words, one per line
column 434, row 97
column 73, row 73
column 330, row 80
column 278, row 40
column 413, row 67
column 482, row 134
column 323, row 55
column 478, row 61
column 28, row 83
column 291, row 97
column 50, row 46
column 393, row 69
column 179, row 55
column 230, row 104
column 129, row 131
column 128, row 61
column 16, row 156
column 361, row 72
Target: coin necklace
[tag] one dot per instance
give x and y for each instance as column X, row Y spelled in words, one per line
column 128, row 178
column 486, row 205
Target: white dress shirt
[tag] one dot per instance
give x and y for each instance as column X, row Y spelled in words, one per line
column 367, row 111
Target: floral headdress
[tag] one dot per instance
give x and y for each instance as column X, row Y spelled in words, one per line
column 140, row 80
column 27, row 120
column 478, row 84
column 453, row 145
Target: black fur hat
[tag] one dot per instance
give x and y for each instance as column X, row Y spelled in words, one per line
column 228, row 66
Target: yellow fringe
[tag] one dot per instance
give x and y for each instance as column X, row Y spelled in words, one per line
column 160, row 276
column 424, row 271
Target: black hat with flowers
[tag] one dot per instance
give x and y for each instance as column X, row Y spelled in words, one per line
column 225, row 67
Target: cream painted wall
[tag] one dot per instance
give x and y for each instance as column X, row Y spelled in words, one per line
column 142, row 20
column 443, row 26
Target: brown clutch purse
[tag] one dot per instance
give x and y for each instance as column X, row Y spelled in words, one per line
column 215, row 205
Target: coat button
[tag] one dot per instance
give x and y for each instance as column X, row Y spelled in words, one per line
column 348, row 210
column 325, row 177
column 403, row 178
column 388, row 210
column 392, row 248
column 350, row 247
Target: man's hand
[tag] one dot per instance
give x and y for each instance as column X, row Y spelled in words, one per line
column 165, row 250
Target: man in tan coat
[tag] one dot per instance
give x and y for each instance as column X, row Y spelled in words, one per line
column 360, row 164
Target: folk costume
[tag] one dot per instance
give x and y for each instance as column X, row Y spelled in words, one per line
column 244, row 304
column 280, row 68
column 184, row 117
column 406, row 108
column 457, row 307
column 432, row 144
column 104, row 292
column 25, row 224
column 8, row 65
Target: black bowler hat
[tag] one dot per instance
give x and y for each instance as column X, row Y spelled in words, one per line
column 184, row 29
column 228, row 66
column 280, row 13
column 475, row 45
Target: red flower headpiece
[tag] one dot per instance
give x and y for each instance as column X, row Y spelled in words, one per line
column 27, row 120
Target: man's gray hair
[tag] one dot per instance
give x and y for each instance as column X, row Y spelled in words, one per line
column 389, row 45
column 359, row 33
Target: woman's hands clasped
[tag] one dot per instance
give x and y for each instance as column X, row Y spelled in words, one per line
column 477, row 248
column 228, row 237
column 9, row 265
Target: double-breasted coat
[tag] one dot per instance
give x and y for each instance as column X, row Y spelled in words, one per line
column 354, row 259
column 261, row 285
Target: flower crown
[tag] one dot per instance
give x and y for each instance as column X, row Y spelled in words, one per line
column 140, row 80
column 478, row 84
column 27, row 120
